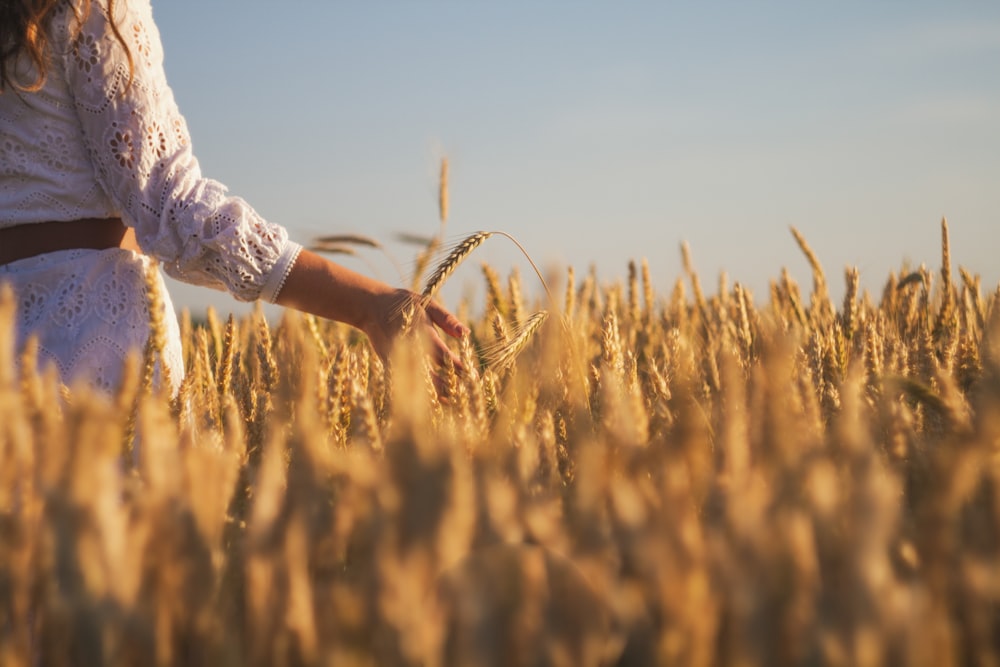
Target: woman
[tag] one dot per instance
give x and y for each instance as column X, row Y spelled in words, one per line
column 97, row 176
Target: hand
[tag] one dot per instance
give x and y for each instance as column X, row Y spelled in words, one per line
column 386, row 324
column 316, row 285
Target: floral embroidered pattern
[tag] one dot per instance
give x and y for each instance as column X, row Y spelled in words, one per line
column 142, row 44
column 55, row 150
column 180, row 132
column 13, row 159
column 70, row 303
column 31, row 304
column 86, row 52
column 156, row 139
column 113, row 301
column 123, row 148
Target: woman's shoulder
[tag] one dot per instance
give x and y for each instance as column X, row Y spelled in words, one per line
column 74, row 17
column 100, row 40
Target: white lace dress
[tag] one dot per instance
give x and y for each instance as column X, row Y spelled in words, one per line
column 90, row 144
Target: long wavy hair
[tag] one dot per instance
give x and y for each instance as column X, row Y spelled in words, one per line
column 24, row 30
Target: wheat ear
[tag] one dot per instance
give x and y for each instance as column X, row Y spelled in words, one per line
column 699, row 296
column 500, row 328
column 946, row 314
column 225, row 376
column 8, row 309
column 448, row 265
column 633, row 291
column 505, row 355
column 156, row 343
column 649, row 299
column 347, row 239
column 443, row 192
column 945, row 259
column 850, row 310
column 494, row 290
column 569, row 303
column 334, row 248
column 821, row 294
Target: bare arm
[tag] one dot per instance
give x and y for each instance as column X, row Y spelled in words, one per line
column 318, row 286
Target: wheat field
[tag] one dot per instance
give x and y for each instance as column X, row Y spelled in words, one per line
column 630, row 477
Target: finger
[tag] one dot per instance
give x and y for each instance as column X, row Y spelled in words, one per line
column 448, row 322
column 443, row 355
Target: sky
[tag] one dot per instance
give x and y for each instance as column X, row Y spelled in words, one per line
column 597, row 132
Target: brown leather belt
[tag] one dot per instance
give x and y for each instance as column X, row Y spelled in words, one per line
column 23, row 241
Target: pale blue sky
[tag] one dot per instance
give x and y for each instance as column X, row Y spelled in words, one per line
column 596, row 132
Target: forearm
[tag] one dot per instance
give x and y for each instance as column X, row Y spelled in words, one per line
column 318, row 286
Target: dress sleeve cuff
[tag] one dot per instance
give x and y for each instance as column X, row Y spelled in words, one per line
column 279, row 273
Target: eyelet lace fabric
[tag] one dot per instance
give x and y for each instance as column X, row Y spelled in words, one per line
column 88, row 309
column 92, row 144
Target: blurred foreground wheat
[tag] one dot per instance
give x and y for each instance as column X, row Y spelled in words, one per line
column 645, row 480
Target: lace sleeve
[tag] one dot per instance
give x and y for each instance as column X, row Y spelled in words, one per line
column 141, row 153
